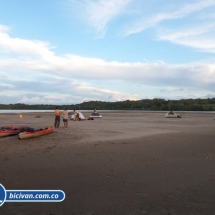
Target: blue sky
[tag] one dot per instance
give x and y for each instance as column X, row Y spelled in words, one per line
column 71, row 51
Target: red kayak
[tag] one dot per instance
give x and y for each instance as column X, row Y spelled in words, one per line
column 10, row 130
column 31, row 132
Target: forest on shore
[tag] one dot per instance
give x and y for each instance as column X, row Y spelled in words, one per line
column 143, row 104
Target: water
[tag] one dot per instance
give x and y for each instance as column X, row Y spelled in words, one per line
column 25, row 111
column 36, row 111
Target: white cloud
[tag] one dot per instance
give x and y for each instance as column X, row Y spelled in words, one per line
column 100, row 12
column 37, row 75
column 196, row 29
column 68, row 94
column 199, row 36
column 25, row 47
column 179, row 12
column 3, row 28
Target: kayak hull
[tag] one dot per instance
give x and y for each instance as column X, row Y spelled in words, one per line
column 11, row 130
column 37, row 133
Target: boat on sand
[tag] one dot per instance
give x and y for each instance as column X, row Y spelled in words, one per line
column 31, row 132
column 95, row 115
column 11, row 130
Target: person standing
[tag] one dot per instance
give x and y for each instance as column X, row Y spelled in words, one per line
column 65, row 118
column 76, row 115
column 57, row 118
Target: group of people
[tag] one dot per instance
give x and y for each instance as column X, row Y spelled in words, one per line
column 65, row 116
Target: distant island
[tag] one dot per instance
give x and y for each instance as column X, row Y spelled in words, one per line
column 143, row 104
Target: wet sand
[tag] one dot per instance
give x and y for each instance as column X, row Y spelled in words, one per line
column 123, row 164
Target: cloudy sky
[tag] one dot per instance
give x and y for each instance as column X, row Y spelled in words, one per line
column 70, row 51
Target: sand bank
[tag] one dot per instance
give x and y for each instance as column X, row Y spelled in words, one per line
column 139, row 163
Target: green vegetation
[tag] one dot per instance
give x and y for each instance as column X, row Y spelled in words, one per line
column 144, row 104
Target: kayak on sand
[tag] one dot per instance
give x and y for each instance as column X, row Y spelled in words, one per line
column 10, row 130
column 31, row 132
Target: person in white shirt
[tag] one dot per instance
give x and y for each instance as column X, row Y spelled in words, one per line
column 65, row 118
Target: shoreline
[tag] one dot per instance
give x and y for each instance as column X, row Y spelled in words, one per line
column 102, row 111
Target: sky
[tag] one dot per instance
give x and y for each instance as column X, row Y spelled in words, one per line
column 74, row 51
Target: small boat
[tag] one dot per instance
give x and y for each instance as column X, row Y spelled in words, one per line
column 31, row 132
column 10, row 130
column 95, row 115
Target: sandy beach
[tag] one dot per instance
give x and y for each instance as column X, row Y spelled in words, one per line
column 122, row 164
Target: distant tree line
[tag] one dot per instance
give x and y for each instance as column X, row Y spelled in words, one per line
column 143, row 104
